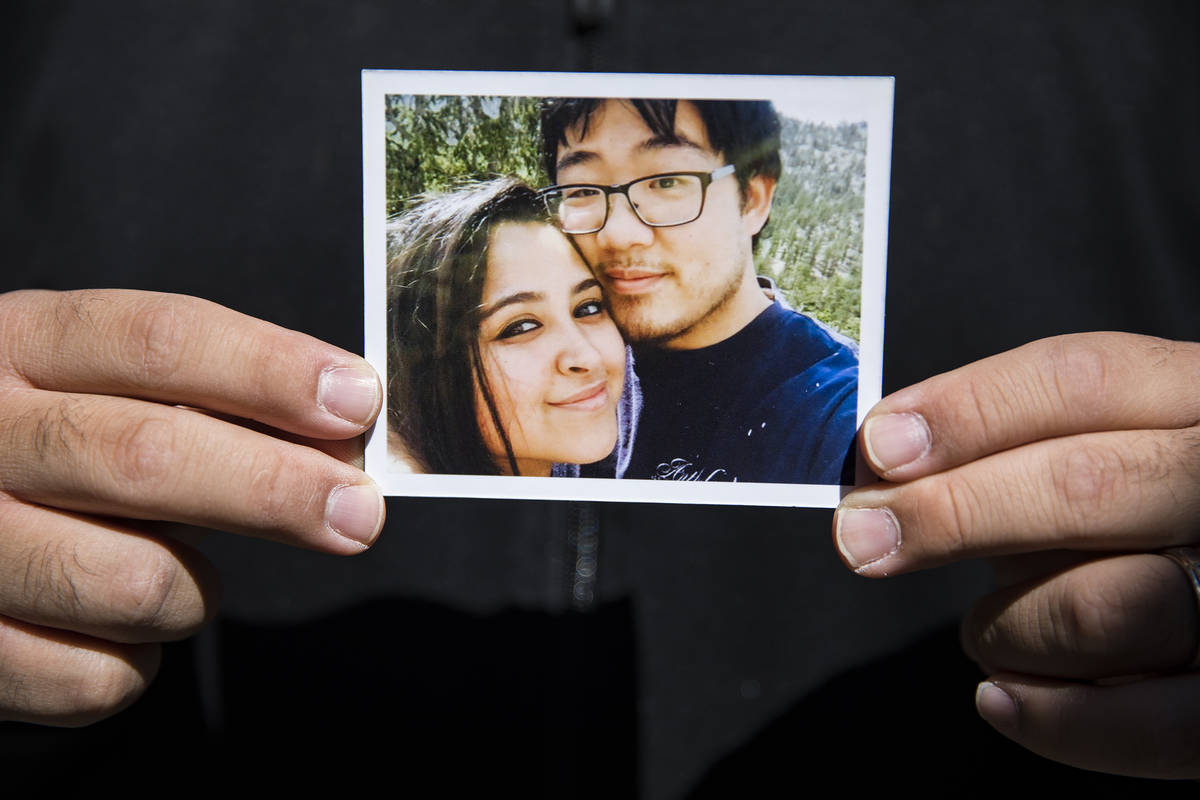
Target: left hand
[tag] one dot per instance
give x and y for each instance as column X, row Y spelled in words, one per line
column 1072, row 461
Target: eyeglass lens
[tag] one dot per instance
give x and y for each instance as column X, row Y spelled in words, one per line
column 661, row 200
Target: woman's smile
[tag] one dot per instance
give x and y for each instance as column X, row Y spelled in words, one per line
column 590, row 398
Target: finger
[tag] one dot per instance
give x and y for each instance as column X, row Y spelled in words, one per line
column 348, row 451
column 1126, row 615
column 60, row 678
column 1127, row 490
column 127, row 458
column 1148, row 728
column 1053, row 387
column 1027, row 567
column 96, row 577
column 178, row 349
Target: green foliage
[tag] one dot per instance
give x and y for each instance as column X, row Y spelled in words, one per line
column 812, row 246
column 435, row 143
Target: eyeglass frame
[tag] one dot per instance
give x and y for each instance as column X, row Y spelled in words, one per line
column 706, row 179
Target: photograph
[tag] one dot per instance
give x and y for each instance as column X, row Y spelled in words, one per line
column 654, row 288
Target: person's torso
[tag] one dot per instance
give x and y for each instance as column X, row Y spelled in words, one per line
column 773, row 403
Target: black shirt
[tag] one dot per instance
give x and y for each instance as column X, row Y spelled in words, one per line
column 773, row 403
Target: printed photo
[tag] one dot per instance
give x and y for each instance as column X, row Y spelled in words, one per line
column 653, row 288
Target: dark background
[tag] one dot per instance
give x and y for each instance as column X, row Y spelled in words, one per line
column 1044, row 181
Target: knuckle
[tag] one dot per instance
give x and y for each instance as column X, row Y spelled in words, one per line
column 1111, row 615
column 271, row 489
column 150, row 595
column 56, row 430
column 948, row 512
column 142, row 451
column 961, row 511
column 266, row 372
column 1159, row 351
column 154, row 340
column 1089, row 480
column 78, row 313
column 988, row 406
column 53, row 578
column 58, row 680
column 1080, row 617
column 17, row 313
column 147, row 591
column 80, row 307
column 1076, row 374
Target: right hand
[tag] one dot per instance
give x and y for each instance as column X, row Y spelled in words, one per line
column 118, row 408
column 1073, row 462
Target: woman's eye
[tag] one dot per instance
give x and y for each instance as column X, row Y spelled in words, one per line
column 517, row 328
column 589, row 308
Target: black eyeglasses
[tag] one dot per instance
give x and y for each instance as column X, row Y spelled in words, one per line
column 660, row 201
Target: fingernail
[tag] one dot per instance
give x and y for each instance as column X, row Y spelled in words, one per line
column 351, row 393
column 355, row 512
column 894, row 440
column 996, row 706
column 866, row 535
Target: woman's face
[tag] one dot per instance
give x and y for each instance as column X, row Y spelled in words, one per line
column 554, row 360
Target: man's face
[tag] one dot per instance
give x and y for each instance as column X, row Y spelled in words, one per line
column 685, row 286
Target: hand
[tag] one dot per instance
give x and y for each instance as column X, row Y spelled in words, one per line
column 1074, row 459
column 117, row 408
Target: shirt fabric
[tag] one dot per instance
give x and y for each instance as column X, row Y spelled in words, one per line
column 773, row 403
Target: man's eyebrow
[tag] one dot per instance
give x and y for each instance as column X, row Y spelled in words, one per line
column 659, row 142
column 516, row 297
column 670, row 140
column 574, row 158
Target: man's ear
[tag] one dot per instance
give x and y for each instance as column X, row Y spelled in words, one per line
column 756, row 203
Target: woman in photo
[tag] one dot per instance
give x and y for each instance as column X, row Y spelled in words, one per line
column 502, row 358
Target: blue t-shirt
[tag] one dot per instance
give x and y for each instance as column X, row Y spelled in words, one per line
column 773, row 403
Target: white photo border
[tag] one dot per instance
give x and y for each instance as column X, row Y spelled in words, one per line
column 825, row 99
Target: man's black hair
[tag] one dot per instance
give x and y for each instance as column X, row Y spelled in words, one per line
column 745, row 132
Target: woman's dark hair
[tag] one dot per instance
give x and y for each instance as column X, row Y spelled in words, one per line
column 437, row 263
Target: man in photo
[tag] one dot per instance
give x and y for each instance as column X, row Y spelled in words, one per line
column 665, row 200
